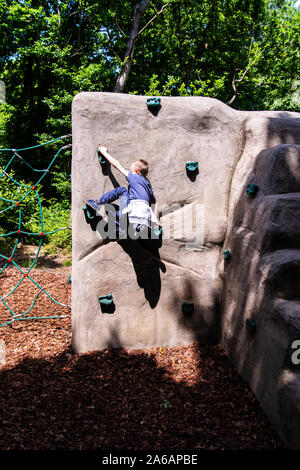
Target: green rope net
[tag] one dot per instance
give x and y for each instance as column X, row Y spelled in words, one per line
column 11, row 204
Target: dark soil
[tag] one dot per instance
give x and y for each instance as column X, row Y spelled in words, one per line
column 171, row 398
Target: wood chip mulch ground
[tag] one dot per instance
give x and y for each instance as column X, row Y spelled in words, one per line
column 171, row 398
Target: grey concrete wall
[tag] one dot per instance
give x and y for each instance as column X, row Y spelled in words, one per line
column 148, row 292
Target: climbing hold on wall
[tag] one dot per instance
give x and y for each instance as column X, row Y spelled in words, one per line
column 157, row 230
column 250, row 325
column 192, row 166
column 69, row 279
column 226, row 255
column 252, row 189
column 187, row 308
column 153, row 102
column 192, row 170
column 107, row 303
column 91, row 217
column 88, row 213
column 101, row 158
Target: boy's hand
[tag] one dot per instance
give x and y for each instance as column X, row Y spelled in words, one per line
column 102, row 149
column 112, row 160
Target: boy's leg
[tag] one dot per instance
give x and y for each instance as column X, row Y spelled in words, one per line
column 118, row 219
column 112, row 195
column 107, row 198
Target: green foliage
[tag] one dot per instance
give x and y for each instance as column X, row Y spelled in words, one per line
column 51, row 51
column 204, row 46
column 62, row 185
column 9, row 190
column 55, row 216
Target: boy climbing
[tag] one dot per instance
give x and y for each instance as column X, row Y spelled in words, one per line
column 135, row 201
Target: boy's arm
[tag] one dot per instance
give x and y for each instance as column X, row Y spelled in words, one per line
column 113, row 161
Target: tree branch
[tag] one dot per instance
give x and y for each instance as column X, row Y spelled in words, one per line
column 138, row 13
column 152, row 19
column 239, row 80
column 119, row 28
column 109, row 47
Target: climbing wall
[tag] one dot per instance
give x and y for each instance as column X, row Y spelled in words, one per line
column 149, row 288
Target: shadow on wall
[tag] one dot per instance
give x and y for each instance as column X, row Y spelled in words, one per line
column 260, row 236
column 195, row 317
column 147, row 264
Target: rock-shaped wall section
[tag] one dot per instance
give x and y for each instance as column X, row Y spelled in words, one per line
column 261, row 282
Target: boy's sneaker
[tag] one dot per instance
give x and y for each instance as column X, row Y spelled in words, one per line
column 93, row 203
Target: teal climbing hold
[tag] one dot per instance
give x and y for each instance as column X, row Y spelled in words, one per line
column 107, row 303
column 91, row 217
column 192, row 166
column 226, row 255
column 153, row 102
column 252, row 189
column 69, row 279
column 187, row 307
column 88, row 213
column 157, row 231
column 106, row 299
column 250, row 325
column 102, row 160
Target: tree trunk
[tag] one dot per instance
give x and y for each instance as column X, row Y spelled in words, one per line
column 139, row 11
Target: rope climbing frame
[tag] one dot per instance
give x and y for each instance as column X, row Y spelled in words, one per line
column 12, row 204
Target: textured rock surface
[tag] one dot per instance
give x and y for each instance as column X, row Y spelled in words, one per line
column 147, row 292
column 261, row 280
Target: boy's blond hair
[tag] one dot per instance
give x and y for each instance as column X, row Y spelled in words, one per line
column 142, row 165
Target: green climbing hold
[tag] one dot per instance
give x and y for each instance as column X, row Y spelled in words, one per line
column 88, row 213
column 102, row 160
column 153, row 102
column 250, row 325
column 252, row 189
column 187, row 307
column 107, row 303
column 192, row 167
column 106, row 299
column 157, row 231
column 226, row 255
column 91, row 217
